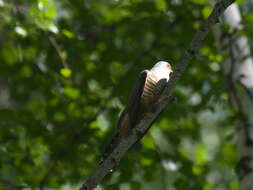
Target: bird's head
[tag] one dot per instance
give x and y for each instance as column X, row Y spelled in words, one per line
column 163, row 65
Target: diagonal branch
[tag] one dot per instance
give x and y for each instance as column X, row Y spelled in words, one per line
column 58, row 50
column 127, row 142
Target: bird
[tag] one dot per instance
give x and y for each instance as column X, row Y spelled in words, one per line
column 146, row 92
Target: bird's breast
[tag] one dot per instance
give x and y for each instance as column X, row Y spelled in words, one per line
column 153, row 88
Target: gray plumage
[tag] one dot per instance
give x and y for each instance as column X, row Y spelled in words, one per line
column 146, row 92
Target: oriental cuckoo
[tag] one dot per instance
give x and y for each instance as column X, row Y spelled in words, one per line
column 146, row 92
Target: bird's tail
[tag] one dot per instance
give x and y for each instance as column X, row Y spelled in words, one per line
column 109, row 149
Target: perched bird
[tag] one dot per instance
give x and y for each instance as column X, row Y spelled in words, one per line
column 146, row 92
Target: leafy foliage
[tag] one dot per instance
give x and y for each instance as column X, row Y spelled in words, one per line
column 67, row 68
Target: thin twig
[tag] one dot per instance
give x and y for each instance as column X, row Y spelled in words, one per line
column 144, row 124
column 58, row 50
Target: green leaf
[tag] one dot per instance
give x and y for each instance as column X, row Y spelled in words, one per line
column 206, row 12
column 197, row 170
column 72, row 93
column 66, row 72
column 44, row 14
column 200, row 154
column 26, row 71
column 68, row 33
column 161, row 5
column 59, row 116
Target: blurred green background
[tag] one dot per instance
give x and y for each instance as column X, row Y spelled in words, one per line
column 66, row 70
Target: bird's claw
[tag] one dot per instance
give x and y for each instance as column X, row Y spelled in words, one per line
column 172, row 99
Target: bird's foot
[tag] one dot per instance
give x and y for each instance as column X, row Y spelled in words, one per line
column 113, row 161
column 139, row 133
column 115, row 165
column 169, row 98
column 172, row 99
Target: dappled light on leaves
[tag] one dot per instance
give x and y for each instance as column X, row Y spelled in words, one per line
column 67, row 70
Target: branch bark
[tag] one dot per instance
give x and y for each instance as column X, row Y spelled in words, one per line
column 127, row 142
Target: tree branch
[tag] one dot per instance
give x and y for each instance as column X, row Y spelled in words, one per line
column 58, row 50
column 127, row 142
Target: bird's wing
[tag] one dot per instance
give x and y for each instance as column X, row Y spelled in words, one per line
column 127, row 118
column 145, row 93
column 130, row 114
